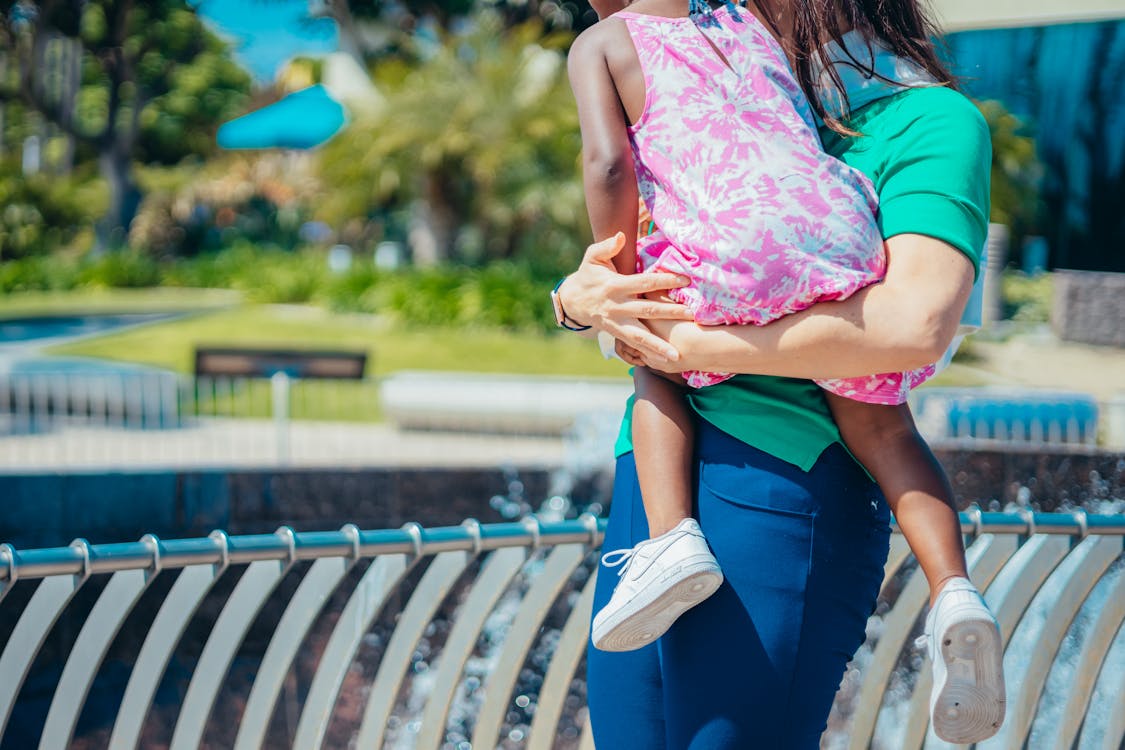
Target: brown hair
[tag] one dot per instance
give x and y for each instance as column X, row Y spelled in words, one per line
column 903, row 26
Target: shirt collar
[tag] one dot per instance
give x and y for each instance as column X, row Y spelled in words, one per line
column 860, row 86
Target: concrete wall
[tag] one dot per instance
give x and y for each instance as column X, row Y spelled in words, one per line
column 1089, row 307
column 47, row 510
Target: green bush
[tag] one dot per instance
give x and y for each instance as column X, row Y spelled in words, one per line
column 425, row 296
column 508, row 296
column 39, row 273
column 286, row 278
column 499, row 295
column 265, row 274
column 230, row 202
column 1026, row 298
column 39, row 213
column 215, row 270
column 352, row 291
column 126, row 269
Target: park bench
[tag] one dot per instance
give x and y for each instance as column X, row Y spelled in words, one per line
column 251, row 362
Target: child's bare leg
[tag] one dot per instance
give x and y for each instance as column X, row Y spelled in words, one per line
column 885, row 440
column 662, row 445
column 676, row 569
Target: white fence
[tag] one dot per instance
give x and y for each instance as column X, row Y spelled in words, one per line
column 141, row 419
column 148, row 420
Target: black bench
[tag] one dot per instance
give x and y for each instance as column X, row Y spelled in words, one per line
column 263, row 363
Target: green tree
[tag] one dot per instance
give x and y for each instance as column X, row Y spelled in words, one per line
column 153, row 81
column 480, row 141
column 1016, row 170
column 375, row 28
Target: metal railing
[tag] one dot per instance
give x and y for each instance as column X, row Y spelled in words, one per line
column 474, row 636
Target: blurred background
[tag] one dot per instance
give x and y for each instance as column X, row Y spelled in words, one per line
column 300, row 240
column 269, row 262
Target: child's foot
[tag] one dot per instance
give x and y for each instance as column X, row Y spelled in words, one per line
column 663, row 577
column 968, row 700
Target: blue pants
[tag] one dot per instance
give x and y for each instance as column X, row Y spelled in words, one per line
column 756, row 666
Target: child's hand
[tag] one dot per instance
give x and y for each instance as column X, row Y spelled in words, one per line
column 629, row 354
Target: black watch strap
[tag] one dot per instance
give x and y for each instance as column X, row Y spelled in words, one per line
column 561, row 318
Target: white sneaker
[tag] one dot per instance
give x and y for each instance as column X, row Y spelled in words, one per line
column 661, row 579
column 968, row 700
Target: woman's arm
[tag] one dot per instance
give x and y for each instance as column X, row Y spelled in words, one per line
column 904, row 322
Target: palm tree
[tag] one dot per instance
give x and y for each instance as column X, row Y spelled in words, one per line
column 482, row 139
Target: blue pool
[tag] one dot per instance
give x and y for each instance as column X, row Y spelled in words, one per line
column 28, row 330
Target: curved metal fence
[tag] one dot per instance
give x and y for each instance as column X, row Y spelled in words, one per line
column 473, row 637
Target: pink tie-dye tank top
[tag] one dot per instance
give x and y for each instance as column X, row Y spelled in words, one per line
column 748, row 205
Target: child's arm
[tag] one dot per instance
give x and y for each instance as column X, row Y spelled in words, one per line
column 662, row 429
column 607, row 158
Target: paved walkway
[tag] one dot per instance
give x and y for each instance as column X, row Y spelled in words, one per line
column 260, row 443
column 1039, row 360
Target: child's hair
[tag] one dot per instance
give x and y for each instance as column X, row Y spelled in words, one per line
column 904, row 26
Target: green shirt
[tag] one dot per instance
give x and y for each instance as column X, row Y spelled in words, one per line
column 928, row 152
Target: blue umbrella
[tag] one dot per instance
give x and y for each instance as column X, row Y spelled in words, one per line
column 304, row 119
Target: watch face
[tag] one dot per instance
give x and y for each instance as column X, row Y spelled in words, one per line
column 556, row 303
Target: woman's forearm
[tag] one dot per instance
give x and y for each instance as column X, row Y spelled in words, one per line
column 905, row 322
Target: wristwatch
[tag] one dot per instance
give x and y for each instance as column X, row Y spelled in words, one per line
column 561, row 318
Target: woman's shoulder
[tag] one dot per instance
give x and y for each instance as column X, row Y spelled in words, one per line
column 934, row 120
column 940, row 103
column 925, row 109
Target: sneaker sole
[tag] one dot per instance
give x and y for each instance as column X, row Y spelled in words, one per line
column 971, row 704
column 642, row 626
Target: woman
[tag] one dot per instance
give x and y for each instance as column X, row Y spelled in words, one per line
column 799, row 530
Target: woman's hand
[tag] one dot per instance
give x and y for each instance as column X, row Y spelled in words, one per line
column 597, row 295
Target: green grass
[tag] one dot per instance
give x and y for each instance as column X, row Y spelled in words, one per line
column 94, row 301
column 390, row 347
column 325, row 400
column 960, row 376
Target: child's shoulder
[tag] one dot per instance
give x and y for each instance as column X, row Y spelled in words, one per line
column 599, row 38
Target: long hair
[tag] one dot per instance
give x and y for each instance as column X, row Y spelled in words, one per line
column 903, row 26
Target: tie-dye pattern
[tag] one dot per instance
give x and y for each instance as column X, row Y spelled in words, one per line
column 748, row 205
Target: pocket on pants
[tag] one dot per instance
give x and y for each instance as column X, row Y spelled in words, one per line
column 764, row 537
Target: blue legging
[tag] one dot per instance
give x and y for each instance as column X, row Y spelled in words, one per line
column 757, row 665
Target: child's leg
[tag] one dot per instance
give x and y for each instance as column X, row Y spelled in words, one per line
column 967, row 702
column 675, row 569
column 662, row 445
column 885, row 440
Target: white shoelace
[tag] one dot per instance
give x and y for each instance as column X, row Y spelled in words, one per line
column 618, row 557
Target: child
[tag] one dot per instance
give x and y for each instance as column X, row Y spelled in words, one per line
column 702, row 110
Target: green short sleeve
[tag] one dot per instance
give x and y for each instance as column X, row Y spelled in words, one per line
column 929, row 153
